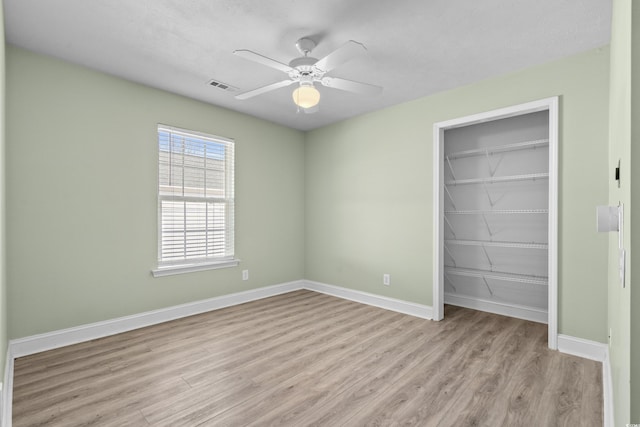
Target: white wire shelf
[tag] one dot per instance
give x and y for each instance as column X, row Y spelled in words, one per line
column 498, row 149
column 497, row 212
column 496, row 179
column 489, row 243
column 507, row 277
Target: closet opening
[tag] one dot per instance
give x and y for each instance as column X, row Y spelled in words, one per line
column 496, row 213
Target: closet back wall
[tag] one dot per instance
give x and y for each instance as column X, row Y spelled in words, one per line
column 81, row 197
column 496, row 216
column 369, row 187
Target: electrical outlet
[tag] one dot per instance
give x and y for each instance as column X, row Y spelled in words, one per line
column 245, row 274
column 386, row 279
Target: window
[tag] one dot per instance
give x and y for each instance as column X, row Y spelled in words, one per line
column 195, row 201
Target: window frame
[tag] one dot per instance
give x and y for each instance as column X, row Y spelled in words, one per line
column 186, row 265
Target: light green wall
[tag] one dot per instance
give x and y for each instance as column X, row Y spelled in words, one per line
column 369, row 189
column 81, row 197
column 620, row 148
column 351, row 203
column 635, row 218
column 3, row 281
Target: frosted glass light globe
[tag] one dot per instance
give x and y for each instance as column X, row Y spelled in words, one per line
column 306, row 96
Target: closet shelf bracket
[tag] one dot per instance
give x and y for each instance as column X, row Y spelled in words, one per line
column 484, row 249
column 450, row 282
column 450, row 226
column 484, row 279
column 492, row 202
column 451, row 168
column 453, row 202
column 486, row 223
column 492, row 169
column 453, row 259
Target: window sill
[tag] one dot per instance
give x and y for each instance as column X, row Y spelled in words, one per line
column 170, row 270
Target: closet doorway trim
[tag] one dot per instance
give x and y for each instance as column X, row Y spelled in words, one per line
column 547, row 104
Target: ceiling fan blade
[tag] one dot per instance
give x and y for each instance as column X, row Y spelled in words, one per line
column 261, row 59
column 350, row 86
column 263, row 89
column 344, row 53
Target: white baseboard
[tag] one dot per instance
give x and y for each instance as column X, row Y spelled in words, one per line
column 607, row 390
column 60, row 338
column 401, row 306
column 47, row 341
column 50, row 340
column 582, row 348
column 519, row 312
column 600, row 353
column 7, row 391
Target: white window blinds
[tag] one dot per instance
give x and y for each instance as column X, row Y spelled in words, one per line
column 195, row 197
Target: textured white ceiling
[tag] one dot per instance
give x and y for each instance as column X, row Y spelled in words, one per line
column 415, row 47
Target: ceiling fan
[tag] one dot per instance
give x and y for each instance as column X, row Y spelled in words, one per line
column 305, row 71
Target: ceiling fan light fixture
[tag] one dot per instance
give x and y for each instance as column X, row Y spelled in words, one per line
column 306, row 96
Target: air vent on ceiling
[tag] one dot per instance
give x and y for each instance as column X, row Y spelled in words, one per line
column 218, row 84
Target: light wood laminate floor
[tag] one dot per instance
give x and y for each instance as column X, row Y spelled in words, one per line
column 305, row 358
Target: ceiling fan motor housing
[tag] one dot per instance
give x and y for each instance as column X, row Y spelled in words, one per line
column 303, row 63
column 304, row 66
column 305, row 45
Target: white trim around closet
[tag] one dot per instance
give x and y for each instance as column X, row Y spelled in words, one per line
column 547, row 104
